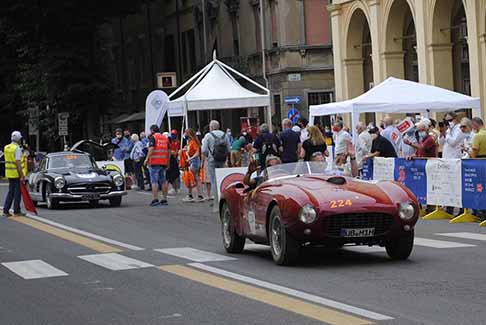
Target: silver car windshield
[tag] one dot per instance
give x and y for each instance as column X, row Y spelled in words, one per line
column 301, row 168
column 71, row 161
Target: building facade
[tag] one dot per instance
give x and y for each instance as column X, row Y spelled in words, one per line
column 181, row 36
column 438, row 42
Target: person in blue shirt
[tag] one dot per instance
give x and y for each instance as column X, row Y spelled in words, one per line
column 137, row 156
column 122, row 152
column 290, row 143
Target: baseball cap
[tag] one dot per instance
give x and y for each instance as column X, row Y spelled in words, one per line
column 16, row 136
column 174, row 132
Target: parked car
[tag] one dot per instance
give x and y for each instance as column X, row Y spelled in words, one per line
column 302, row 204
column 74, row 176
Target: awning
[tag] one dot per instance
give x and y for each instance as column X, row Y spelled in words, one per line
column 118, row 119
column 139, row 116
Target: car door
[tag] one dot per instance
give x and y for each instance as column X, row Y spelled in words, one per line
column 35, row 180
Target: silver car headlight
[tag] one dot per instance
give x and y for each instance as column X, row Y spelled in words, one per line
column 118, row 180
column 307, row 214
column 59, row 182
column 406, row 211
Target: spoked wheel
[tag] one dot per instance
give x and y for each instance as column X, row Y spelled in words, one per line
column 400, row 248
column 50, row 202
column 232, row 242
column 285, row 250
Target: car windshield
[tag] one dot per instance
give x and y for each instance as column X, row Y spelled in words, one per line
column 302, row 168
column 71, row 161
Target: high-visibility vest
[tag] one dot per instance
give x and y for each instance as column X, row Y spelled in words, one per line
column 160, row 153
column 24, row 164
column 10, row 167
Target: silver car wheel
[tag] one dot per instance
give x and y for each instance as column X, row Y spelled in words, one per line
column 227, row 227
column 276, row 233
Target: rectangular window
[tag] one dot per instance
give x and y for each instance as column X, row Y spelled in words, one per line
column 317, row 21
column 169, row 53
column 317, row 98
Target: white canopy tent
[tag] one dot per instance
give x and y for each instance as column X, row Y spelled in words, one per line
column 398, row 96
column 214, row 87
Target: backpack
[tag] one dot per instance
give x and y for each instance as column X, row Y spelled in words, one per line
column 269, row 147
column 220, row 148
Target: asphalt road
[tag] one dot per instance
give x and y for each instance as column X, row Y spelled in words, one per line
column 138, row 265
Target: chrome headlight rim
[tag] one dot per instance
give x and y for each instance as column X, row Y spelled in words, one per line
column 118, row 180
column 406, row 211
column 59, row 182
column 307, row 214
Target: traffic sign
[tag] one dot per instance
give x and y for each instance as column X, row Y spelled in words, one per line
column 293, row 115
column 62, row 119
column 292, row 100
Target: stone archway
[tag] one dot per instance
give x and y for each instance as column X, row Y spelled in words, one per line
column 449, row 48
column 357, row 62
column 400, row 55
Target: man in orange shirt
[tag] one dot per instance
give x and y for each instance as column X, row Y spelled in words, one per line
column 158, row 160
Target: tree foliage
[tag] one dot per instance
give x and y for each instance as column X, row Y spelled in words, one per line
column 52, row 54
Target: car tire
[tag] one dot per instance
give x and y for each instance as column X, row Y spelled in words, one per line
column 400, row 248
column 116, row 201
column 51, row 203
column 285, row 250
column 232, row 242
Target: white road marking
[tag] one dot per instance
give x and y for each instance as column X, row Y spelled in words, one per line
column 365, row 249
column 439, row 243
column 466, row 235
column 34, row 269
column 115, row 262
column 293, row 293
column 87, row 234
column 195, row 255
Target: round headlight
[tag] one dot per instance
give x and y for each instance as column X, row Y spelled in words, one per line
column 118, row 180
column 307, row 214
column 406, row 211
column 59, row 182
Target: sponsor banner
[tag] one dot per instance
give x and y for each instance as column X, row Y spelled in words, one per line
column 474, row 184
column 405, row 125
column 411, row 173
column 155, row 108
column 367, row 171
column 444, row 183
column 384, row 169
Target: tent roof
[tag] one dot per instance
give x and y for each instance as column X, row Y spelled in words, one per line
column 399, row 96
column 216, row 88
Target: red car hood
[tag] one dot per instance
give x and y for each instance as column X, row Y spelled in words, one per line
column 355, row 195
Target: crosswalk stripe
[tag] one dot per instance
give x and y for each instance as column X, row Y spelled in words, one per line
column 115, row 262
column 466, row 235
column 439, row 243
column 195, row 255
column 34, row 269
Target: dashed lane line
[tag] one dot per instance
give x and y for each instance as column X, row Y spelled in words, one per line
column 465, row 235
column 195, row 255
column 88, row 234
column 439, row 243
column 115, row 262
column 34, row 269
column 279, row 300
column 69, row 236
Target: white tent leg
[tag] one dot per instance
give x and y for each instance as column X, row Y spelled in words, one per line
column 168, row 120
column 354, row 122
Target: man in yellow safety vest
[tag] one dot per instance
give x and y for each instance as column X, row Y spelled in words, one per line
column 14, row 174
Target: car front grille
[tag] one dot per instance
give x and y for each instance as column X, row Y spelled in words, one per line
column 332, row 225
column 100, row 188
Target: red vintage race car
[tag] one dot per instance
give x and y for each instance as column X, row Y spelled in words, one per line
column 302, row 204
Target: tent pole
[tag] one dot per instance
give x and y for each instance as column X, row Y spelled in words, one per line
column 168, row 120
column 206, row 68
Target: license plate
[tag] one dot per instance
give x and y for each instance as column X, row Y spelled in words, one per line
column 357, row 232
column 91, row 196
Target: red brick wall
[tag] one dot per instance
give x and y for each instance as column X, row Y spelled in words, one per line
column 316, row 22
